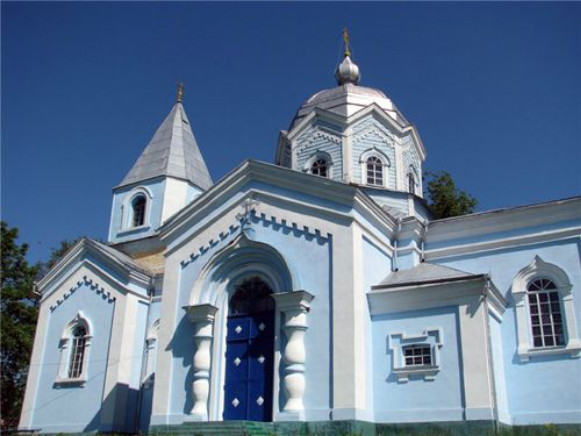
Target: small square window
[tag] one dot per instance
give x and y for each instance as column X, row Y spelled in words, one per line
column 417, row 355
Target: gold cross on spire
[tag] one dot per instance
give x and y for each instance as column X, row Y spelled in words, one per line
column 180, row 92
column 346, row 41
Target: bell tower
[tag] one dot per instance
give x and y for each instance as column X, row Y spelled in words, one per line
column 168, row 175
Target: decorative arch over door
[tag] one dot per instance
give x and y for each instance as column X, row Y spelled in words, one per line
column 248, row 388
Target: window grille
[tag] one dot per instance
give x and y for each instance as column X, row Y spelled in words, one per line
column 374, row 171
column 417, row 355
column 319, row 168
column 77, row 352
column 545, row 312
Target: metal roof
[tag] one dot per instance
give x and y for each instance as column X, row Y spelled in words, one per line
column 424, row 273
column 173, row 151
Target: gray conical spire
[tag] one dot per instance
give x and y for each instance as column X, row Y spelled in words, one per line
column 173, row 151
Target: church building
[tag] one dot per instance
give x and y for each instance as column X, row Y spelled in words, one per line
column 313, row 293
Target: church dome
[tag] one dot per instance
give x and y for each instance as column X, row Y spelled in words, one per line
column 348, row 97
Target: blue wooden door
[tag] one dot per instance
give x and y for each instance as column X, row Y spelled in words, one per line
column 249, row 367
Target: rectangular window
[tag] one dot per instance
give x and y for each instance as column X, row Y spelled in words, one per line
column 417, row 355
column 546, row 320
column 77, row 357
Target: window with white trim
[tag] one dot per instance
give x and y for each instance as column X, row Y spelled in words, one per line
column 79, row 342
column 546, row 316
column 545, row 312
column 74, row 346
column 416, row 356
column 374, row 171
column 411, row 183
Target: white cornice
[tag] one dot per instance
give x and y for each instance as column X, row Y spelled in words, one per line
column 501, row 220
column 433, row 294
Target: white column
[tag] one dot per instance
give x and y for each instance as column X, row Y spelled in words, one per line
column 294, row 306
column 202, row 316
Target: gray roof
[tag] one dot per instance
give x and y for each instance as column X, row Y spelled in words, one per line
column 424, row 273
column 173, row 151
column 347, row 99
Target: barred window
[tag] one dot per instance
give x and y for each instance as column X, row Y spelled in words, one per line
column 374, row 171
column 79, row 341
column 138, row 205
column 319, row 168
column 545, row 312
column 417, row 355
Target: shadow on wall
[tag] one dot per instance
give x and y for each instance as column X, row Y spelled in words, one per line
column 182, row 346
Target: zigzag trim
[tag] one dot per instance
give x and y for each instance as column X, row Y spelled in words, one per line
column 375, row 131
column 282, row 225
column 335, row 139
column 95, row 286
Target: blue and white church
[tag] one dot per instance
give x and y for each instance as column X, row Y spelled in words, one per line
column 314, row 292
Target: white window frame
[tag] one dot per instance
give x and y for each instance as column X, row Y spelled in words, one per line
column 413, row 173
column 66, row 349
column 539, row 269
column 127, row 208
column 398, row 341
column 307, row 167
column 386, row 164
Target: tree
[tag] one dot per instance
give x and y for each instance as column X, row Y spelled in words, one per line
column 56, row 255
column 445, row 199
column 18, row 323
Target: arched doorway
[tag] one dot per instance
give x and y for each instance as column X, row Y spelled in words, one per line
column 249, row 352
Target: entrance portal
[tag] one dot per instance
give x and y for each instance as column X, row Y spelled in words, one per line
column 250, row 353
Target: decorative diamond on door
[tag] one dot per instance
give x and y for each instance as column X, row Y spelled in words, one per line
column 261, row 327
column 237, row 361
column 261, row 359
column 238, row 329
column 260, row 401
column 235, row 402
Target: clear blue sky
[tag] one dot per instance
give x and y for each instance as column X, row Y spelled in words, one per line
column 494, row 89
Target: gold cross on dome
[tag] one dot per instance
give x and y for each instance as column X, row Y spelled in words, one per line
column 180, row 92
column 346, row 41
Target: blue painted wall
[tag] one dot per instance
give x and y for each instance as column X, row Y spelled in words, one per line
column 84, row 403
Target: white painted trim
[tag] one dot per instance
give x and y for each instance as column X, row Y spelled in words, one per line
column 399, row 368
column 385, row 166
column 538, row 268
column 127, row 209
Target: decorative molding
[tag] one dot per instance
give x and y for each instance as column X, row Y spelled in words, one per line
column 314, row 135
column 375, row 131
column 93, row 285
column 538, row 268
column 282, row 225
column 434, row 337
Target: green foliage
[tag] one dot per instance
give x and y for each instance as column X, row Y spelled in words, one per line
column 56, row 254
column 19, row 312
column 445, row 199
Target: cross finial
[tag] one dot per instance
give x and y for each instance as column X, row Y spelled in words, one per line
column 346, row 41
column 180, row 92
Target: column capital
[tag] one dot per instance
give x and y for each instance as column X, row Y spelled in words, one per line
column 293, row 300
column 201, row 312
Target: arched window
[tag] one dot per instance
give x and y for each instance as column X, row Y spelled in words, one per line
column 74, row 347
column 374, row 167
column 319, row 168
column 138, row 205
column 545, row 311
column 251, row 296
column 411, row 183
column 79, row 341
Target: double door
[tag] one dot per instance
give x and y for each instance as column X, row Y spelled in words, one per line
column 249, row 367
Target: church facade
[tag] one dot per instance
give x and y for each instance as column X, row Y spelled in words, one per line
column 317, row 289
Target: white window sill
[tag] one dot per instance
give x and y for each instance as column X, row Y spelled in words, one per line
column 80, row 381
column 131, row 230
column 573, row 348
column 428, row 373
